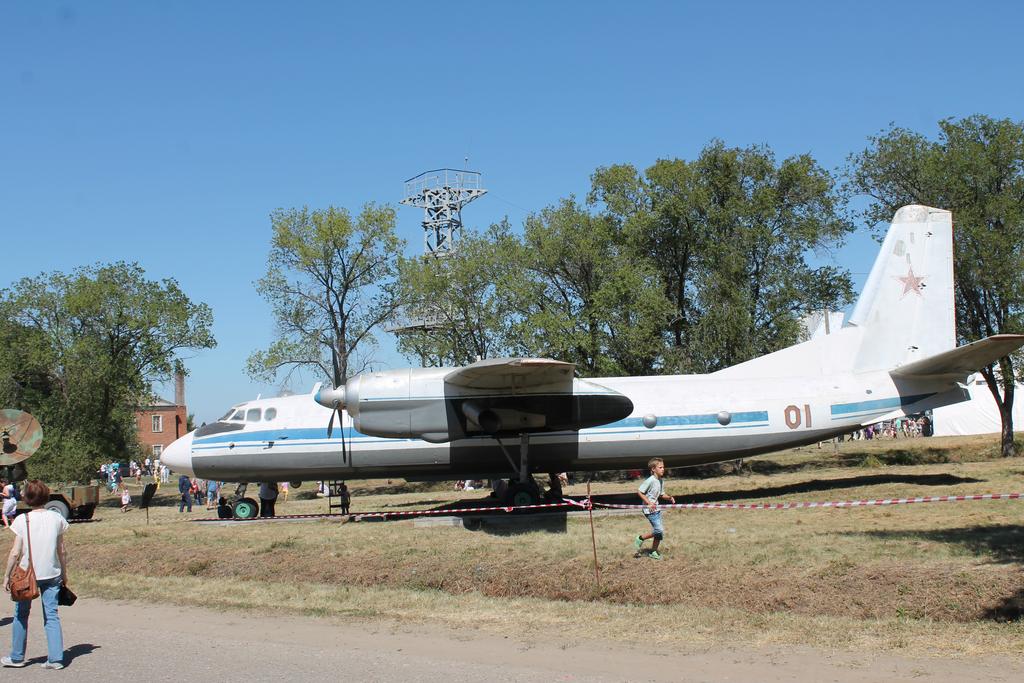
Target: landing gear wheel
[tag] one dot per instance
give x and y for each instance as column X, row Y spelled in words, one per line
column 519, row 494
column 245, row 508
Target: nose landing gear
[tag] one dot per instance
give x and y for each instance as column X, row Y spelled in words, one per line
column 242, row 507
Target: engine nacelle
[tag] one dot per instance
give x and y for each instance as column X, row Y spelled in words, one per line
column 400, row 404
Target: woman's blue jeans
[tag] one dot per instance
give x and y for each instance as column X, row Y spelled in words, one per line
column 48, row 589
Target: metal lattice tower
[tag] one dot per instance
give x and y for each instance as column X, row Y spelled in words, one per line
column 441, row 194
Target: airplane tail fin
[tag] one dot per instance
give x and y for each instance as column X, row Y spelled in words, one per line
column 906, row 309
column 904, row 315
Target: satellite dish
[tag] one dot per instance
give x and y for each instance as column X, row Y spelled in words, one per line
column 20, row 436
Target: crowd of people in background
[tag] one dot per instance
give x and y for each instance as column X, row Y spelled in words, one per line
column 113, row 474
column 208, row 492
column 198, row 491
column 900, row 428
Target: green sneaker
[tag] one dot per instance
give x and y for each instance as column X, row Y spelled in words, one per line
column 655, row 555
column 638, row 542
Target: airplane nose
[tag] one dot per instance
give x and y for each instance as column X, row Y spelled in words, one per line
column 178, row 456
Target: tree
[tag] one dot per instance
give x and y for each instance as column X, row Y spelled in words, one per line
column 659, row 213
column 81, row 353
column 975, row 168
column 729, row 234
column 464, row 300
column 584, row 298
column 330, row 282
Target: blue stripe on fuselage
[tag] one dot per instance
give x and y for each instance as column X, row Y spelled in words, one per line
column 681, row 420
column 876, row 405
column 282, row 436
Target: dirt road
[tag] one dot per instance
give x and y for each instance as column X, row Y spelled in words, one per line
column 122, row 641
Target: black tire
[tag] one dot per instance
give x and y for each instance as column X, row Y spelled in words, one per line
column 519, row 494
column 245, row 508
column 59, row 506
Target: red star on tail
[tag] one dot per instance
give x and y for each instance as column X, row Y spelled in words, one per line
column 911, row 283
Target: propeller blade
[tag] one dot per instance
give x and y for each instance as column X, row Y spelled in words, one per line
column 330, row 424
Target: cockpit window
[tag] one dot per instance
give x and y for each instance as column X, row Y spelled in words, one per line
column 226, row 415
column 253, row 415
column 239, row 416
column 270, row 414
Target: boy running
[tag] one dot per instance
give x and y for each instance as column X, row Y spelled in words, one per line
column 652, row 490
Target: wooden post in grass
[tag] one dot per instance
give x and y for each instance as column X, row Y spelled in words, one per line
column 593, row 538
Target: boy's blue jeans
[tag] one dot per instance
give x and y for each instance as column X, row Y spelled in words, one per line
column 656, row 527
column 48, row 590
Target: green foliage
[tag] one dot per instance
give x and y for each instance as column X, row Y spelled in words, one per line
column 871, row 461
column 567, row 289
column 975, row 168
column 692, row 266
column 729, row 234
column 462, row 304
column 330, row 284
column 80, row 351
column 586, row 297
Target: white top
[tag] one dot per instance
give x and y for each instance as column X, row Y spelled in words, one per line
column 47, row 525
column 10, row 503
column 653, row 488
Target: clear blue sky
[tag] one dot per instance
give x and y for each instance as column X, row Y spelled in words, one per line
column 165, row 133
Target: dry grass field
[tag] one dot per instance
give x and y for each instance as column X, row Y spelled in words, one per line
column 927, row 579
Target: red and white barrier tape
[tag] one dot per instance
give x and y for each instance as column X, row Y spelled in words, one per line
column 821, row 504
column 586, row 504
column 566, row 502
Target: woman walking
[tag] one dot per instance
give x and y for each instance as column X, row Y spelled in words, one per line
column 46, row 530
column 9, row 497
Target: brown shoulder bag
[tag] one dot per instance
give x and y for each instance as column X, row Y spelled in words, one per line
column 23, row 581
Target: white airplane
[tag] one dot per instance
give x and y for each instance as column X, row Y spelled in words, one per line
column 511, row 417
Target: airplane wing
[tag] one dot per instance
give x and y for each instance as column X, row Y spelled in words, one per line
column 962, row 361
column 525, row 395
column 512, row 374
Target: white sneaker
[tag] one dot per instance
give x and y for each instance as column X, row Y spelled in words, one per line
column 8, row 662
column 53, row 665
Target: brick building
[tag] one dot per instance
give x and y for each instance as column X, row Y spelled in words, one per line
column 161, row 422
